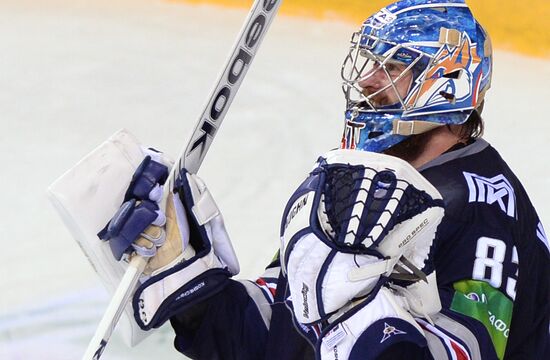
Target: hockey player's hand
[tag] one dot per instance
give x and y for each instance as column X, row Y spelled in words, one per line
column 138, row 224
column 191, row 256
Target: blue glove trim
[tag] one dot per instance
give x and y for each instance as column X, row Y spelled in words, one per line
column 127, row 225
column 148, row 174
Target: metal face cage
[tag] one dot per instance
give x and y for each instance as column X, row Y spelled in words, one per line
column 368, row 55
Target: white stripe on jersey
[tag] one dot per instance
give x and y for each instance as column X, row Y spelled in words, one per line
column 457, row 351
column 542, row 235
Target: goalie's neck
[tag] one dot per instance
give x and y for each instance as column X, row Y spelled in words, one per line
column 438, row 142
column 423, row 148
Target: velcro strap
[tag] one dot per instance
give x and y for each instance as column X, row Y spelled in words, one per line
column 372, row 270
column 205, row 209
column 413, row 127
column 449, row 36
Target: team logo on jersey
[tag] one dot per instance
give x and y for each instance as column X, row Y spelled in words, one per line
column 389, row 331
column 492, row 190
column 352, row 134
column 542, row 236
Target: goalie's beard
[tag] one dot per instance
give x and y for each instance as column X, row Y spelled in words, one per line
column 411, row 148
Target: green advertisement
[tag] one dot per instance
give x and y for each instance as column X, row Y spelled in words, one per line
column 481, row 301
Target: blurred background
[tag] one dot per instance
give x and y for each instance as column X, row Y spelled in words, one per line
column 72, row 72
column 513, row 25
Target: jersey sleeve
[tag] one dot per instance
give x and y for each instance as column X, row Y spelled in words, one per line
column 233, row 324
column 529, row 336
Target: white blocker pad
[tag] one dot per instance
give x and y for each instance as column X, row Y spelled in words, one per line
column 86, row 197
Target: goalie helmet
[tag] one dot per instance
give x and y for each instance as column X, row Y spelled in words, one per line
column 431, row 57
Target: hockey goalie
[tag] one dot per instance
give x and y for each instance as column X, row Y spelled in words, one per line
column 413, row 240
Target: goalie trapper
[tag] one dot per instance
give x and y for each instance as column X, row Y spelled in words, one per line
column 359, row 221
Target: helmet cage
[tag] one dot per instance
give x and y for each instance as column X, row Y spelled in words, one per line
column 369, row 54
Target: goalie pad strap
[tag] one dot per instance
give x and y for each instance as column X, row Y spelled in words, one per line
column 146, row 178
column 372, row 270
column 205, row 209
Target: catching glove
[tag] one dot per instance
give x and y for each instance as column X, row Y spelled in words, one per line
column 358, row 220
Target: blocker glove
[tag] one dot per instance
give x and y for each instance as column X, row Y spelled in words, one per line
column 191, row 256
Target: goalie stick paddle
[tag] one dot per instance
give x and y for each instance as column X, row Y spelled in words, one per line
column 248, row 41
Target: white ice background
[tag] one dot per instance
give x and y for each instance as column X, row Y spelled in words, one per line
column 72, row 72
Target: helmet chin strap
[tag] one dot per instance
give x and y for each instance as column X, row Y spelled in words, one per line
column 413, row 127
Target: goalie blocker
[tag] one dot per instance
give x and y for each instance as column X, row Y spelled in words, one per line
column 86, row 213
column 195, row 258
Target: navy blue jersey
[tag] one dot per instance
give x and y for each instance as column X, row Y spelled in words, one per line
column 491, row 255
column 493, row 269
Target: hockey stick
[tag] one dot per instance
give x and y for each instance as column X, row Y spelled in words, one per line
column 248, row 41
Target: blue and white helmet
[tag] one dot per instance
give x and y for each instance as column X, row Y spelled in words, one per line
column 448, row 54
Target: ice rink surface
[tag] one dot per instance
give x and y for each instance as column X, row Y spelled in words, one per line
column 73, row 72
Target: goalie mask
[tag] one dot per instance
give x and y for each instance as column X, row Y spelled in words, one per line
column 413, row 66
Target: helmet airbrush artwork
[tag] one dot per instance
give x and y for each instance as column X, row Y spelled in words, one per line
column 439, row 48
